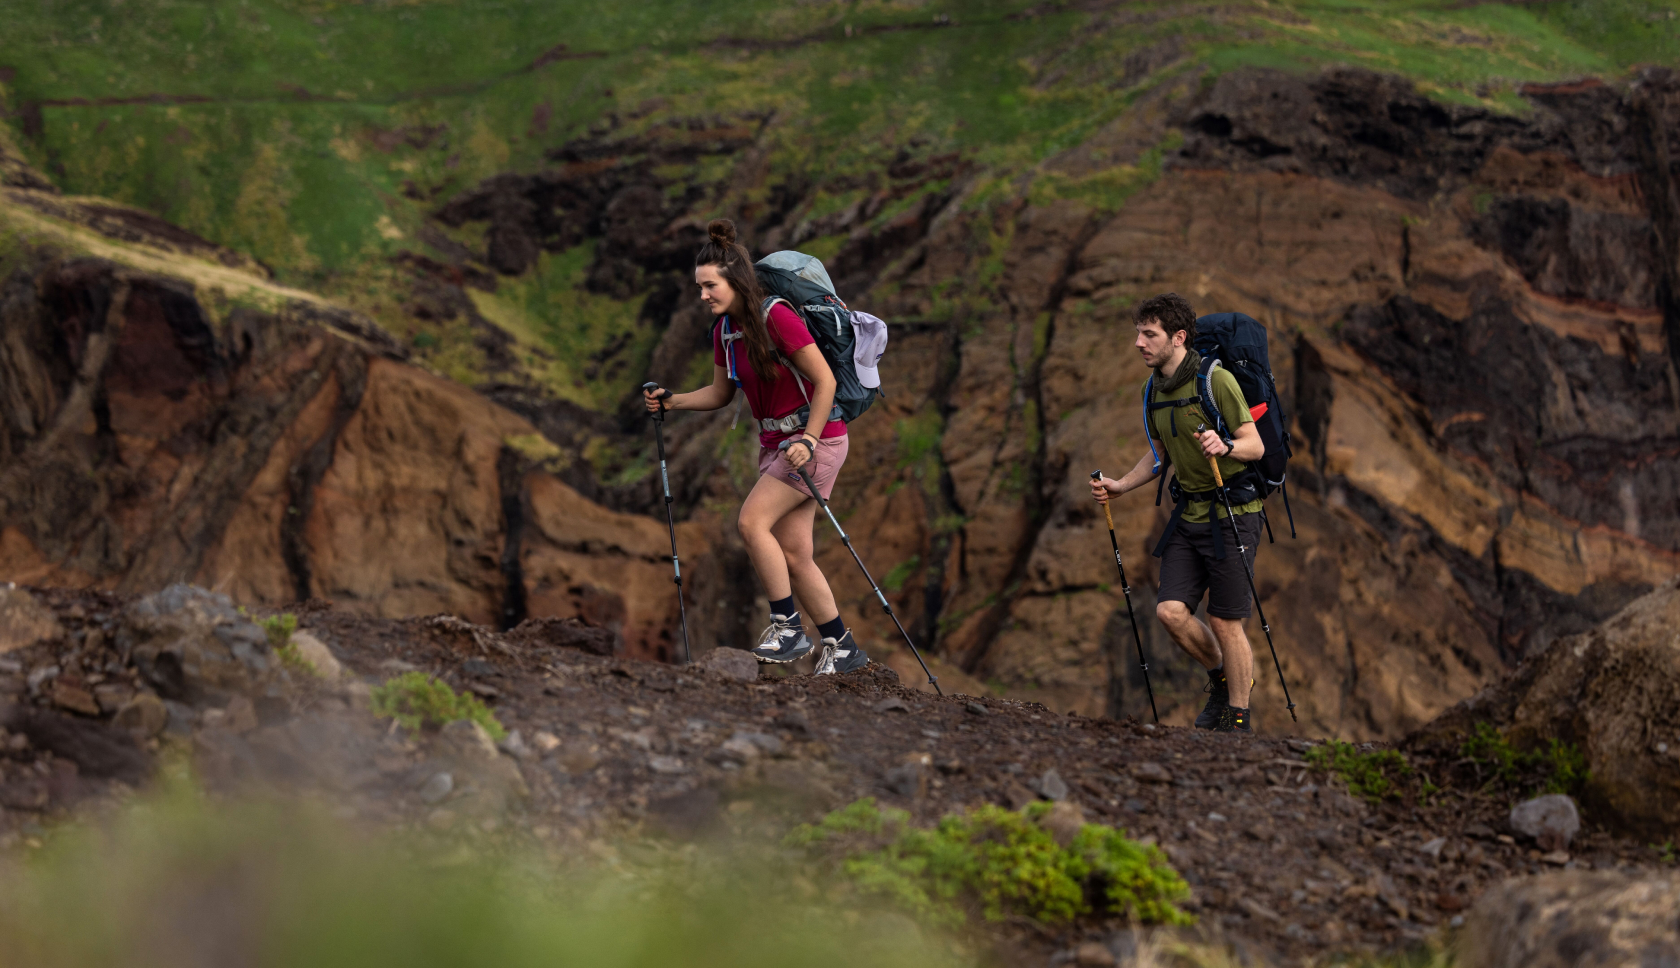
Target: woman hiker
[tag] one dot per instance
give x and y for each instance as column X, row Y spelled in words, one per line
column 786, row 380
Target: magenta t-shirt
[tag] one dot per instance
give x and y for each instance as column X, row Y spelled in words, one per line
column 776, row 398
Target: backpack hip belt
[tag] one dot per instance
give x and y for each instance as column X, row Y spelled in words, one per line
column 793, row 421
column 1240, row 489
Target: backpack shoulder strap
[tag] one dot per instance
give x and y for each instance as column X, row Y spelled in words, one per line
column 1204, row 391
column 1148, row 431
column 798, row 378
column 730, row 336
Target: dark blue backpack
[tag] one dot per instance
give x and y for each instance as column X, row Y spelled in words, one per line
column 1237, row 342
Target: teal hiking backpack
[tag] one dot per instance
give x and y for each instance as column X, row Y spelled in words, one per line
column 852, row 342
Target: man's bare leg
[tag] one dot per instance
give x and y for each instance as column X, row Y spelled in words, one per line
column 1239, row 657
column 1192, row 636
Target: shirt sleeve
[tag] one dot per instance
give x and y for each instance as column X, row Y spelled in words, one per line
column 1228, row 395
column 787, row 330
column 717, row 343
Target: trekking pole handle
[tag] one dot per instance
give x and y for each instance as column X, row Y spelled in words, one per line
column 1097, row 476
column 661, row 396
column 784, row 445
column 1213, row 462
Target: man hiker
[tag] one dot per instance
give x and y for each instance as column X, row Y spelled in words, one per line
column 1198, row 552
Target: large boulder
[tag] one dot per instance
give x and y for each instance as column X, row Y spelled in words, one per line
column 1575, row 918
column 1615, row 692
column 194, row 646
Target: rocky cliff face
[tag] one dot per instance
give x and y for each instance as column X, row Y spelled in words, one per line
column 1473, row 319
column 171, row 415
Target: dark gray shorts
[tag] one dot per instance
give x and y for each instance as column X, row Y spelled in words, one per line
column 1189, row 569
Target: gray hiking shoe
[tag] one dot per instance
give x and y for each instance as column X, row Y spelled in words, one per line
column 842, row 655
column 783, row 641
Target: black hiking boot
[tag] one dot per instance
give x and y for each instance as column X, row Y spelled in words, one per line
column 1219, row 697
column 841, row 656
column 783, row 641
column 1234, row 720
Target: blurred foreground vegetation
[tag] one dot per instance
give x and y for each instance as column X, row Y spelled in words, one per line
column 183, row 882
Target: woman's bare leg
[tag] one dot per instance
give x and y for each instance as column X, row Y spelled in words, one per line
column 794, row 533
column 770, row 502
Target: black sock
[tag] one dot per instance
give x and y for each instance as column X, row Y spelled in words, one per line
column 1217, row 672
column 832, row 629
column 783, row 606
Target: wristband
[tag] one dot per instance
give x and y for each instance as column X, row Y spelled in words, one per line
column 1230, row 445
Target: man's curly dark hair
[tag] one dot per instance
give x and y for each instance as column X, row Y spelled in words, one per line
column 1172, row 310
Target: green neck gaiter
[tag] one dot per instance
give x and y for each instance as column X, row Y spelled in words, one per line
column 1186, row 370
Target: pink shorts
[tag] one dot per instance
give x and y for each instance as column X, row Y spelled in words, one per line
column 824, row 465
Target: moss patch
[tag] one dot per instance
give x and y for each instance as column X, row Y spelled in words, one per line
column 1554, row 768
column 998, row 864
column 418, row 701
column 1368, row 773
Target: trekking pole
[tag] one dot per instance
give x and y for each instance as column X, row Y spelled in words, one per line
column 670, row 522
column 886, row 606
column 1143, row 663
column 1242, row 552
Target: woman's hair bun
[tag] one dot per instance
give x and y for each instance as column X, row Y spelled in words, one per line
column 722, row 231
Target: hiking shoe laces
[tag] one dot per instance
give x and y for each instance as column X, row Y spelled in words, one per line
column 782, row 641
column 1234, row 720
column 1219, row 697
column 841, row 655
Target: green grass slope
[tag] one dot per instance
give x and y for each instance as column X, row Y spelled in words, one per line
column 319, row 135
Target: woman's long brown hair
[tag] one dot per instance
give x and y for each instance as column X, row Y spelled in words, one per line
column 735, row 265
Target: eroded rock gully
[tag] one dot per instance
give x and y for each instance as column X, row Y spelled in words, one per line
column 1473, row 320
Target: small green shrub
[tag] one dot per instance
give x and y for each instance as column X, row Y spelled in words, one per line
column 292, row 658
column 999, row 861
column 1566, row 768
column 1557, row 768
column 1368, row 775
column 279, row 629
column 418, row 701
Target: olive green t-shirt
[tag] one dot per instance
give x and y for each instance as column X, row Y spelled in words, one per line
column 1187, row 459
